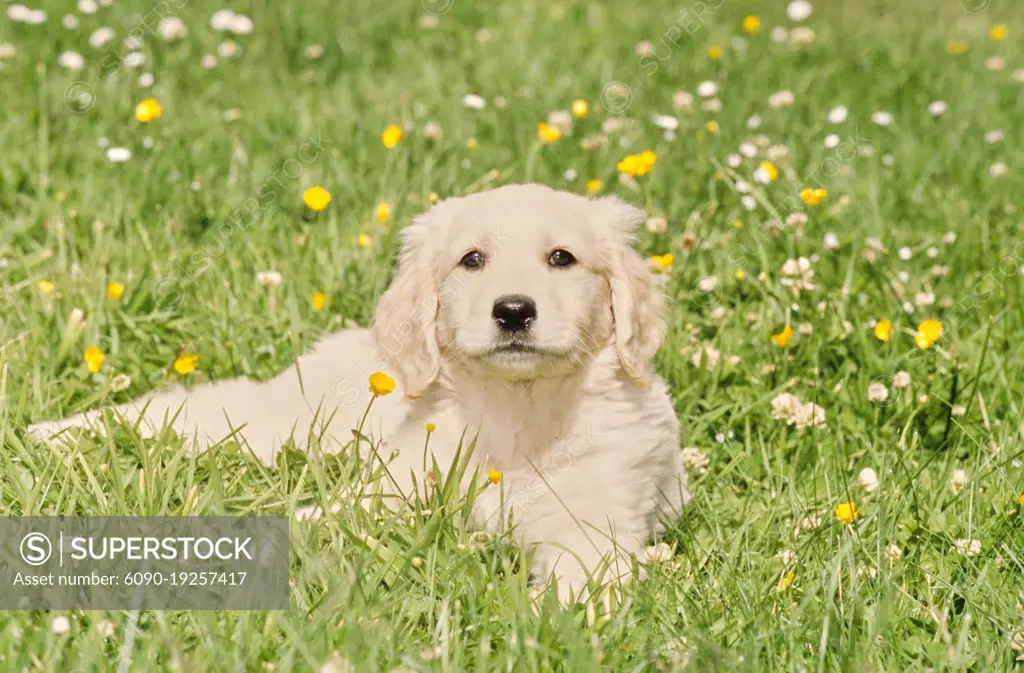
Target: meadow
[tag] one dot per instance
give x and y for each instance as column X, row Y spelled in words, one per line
column 834, row 195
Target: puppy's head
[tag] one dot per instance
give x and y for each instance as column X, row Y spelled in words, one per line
column 517, row 283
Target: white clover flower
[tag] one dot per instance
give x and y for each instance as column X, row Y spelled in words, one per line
column 777, row 152
column 69, row 21
column 780, row 99
column 658, row 553
column 779, row 34
column 707, row 356
column 87, row 6
column 901, row 380
column 339, row 664
column 268, row 278
column 146, row 80
column 240, row 24
column 570, row 174
column 707, row 89
column 784, row 407
column 905, row 253
column 733, row 160
column 748, row 150
column 958, row 410
column 937, row 109
column 119, row 155
column 877, row 392
column 133, row 42
column 7, row 50
column 801, row 36
column 799, row 10
column 208, row 61
column 924, row 299
column 754, row 122
column 868, row 479
column 134, row 59
column 712, row 105
column 682, row 100
column 831, row 141
column 105, row 628
column 120, row 382
column 100, row 37
column 995, row 63
column 172, row 28
column 968, row 546
column 798, row 275
column 998, row 169
column 797, row 219
column 666, row 122
column 894, row 553
column 433, row 131
column 809, row 415
column 994, row 136
column 695, row 460
column 71, row 60
column 748, row 202
column 657, row 225
column 787, row 556
column 708, row 284
column 221, row 20
column 958, row 480
column 888, row 160
column 473, row 102
column 809, row 523
column 831, row 241
column 60, row 625
column 837, row 115
column 882, row 118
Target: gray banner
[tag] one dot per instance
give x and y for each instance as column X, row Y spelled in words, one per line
column 144, row 563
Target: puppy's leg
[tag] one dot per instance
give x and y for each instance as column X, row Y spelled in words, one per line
column 131, row 412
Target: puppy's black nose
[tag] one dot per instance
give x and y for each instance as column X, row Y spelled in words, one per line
column 514, row 312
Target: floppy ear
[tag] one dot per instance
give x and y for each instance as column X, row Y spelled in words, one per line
column 638, row 302
column 404, row 325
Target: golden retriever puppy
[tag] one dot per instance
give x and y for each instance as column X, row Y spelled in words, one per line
column 520, row 317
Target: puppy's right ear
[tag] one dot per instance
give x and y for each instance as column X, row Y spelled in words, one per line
column 405, row 323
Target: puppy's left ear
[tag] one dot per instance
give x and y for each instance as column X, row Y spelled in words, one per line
column 638, row 302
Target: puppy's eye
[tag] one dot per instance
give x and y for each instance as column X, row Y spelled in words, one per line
column 561, row 258
column 472, row 260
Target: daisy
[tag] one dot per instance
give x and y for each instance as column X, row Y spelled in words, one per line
column 799, row 10
column 71, row 60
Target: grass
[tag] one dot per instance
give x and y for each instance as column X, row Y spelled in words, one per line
column 421, row 592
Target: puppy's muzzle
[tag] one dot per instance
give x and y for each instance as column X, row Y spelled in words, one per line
column 514, row 312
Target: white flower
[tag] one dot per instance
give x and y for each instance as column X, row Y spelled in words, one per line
column 69, row 21
column 148, row 142
column 71, row 60
column 968, row 547
column 100, row 37
column 784, row 407
column 172, row 28
column 777, row 152
column 877, row 392
column 894, row 553
column 958, row 480
column 780, row 34
column 995, row 63
column 888, row 160
column 339, row 664
column 133, row 42
column 145, row 80
column 808, row 523
column 994, row 136
column 901, row 380
column 801, row 36
column 882, row 118
column 120, row 382
column 924, row 299
column 797, row 219
column 905, row 253
column 60, row 625
column 268, row 278
column 658, row 553
column 119, row 155
column 957, row 410
column 666, row 122
column 7, row 50
column 779, row 99
column 570, row 174
column 708, row 284
column 696, row 460
column 227, row 48
column 831, row 141
column 682, row 100
column 18, row 13
column 134, row 59
column 87, row 6
column 868, row 479
column 798, row 275
column 809, row 415
column 733, row 160
column 998, row 169
column 748, row 202
column 657, row 225
column 708, row 355
column 712, row 105
column 208, row 61
column 474, row 102
column 1018, row 76
column 433, row 131
column 831, row 241
column 799, row 10
column 837, row 115
column 240, row 24
column 105, row 628
column 221, row 20
column 937, row 109
column 950, row 237
column 707, row 89
column 787, row 556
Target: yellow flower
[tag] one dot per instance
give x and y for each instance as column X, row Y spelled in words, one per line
column 594, row 186
column 928, row 332
column 769, row 170
column 115, row 290
column 316, row 198
column 956, row 47
column 712, row 126
column 714, row 52
column 882, row 330
column 638, row 164
column 94, row 358
column 148, row 110
column 383, row 212
column 847, row 512
column 472, row 144
column 784, row 582
column 431, row 427
column 1020, row 498
column 364, row 240
column 433, row 196
column 547, row 133
column 391, row 136
column 580, row 108
column 381, row 384
column 319, row 301
column 662, row 263
column 493, row 476
column 813, row 197
column 783, row 337
column 185, row 362
column 998, row 32
column 46, row 287
column 740, row 275
column 751, row 24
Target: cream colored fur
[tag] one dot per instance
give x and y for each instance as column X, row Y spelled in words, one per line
column 580, row 427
